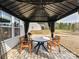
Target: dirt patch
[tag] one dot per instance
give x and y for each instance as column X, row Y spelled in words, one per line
column 70, row 41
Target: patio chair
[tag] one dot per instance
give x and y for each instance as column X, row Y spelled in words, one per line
column 25, row 44
column 54, row 42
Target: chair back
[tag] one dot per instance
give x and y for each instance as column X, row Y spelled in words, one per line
column 29, row 36
column 22, row 38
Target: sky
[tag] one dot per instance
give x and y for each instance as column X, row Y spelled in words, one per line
column 73, row 18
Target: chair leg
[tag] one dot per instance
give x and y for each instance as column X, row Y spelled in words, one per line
column 48, row 45
column 54, row 43
column 59, row 45
column 31, row 45
column 30, row 48
column 20, row 50
column 50, row 48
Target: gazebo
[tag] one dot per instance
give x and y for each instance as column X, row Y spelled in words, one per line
column 39, row 10
column 48, row 11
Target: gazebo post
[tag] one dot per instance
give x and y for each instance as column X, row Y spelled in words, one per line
column 26, row 25
column 51, row 26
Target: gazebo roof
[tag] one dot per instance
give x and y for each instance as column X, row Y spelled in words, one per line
column 45, row 12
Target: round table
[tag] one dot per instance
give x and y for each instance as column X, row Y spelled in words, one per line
column 41, row 41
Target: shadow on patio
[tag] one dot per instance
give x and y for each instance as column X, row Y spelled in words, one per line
column 55, row 54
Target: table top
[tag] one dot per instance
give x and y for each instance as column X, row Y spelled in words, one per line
column 40, row 39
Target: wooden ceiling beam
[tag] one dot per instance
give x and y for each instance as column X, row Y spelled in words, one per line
column 72, row 4
column 51, row 7
column 57, row 8
column 33, row 13
column 19, row 7
column 27, row 11
column 60, row 7
column 24, row 7
column 12, row 13
column 66, row 6
column 53, row 11
column 13, row 5
column 9, row 3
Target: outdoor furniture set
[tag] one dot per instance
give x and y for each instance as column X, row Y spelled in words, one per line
column 40, row 43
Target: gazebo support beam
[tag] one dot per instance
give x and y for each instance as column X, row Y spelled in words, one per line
column 68, row 13
column 26, row 25
column 51, row 26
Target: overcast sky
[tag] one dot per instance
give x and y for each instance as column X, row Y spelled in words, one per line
column 74, row 18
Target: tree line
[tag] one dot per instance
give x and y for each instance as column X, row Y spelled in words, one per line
column 65, row 26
